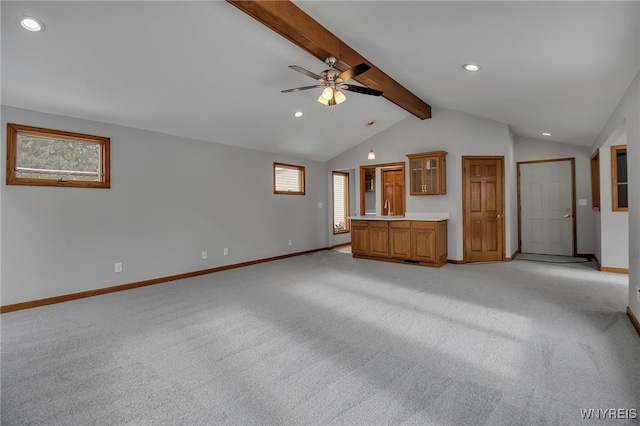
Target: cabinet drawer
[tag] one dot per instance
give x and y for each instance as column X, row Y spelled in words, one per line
column 423, row 225
column 400, row 224
column 362, row 223
column 378, row 224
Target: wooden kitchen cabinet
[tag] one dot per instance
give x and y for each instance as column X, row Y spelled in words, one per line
column 379, row 238
column 428, row 173
column 422, row 242
column 400, row 239
column 360, row 237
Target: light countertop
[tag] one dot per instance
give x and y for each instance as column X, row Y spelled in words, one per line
column 408, row 216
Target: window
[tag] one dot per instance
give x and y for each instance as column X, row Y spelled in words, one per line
column 619, row 178
column 43, row 157
column 340, row 202
column 595, row 180
column 288, row 179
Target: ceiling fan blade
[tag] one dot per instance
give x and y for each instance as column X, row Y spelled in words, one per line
column 354, row 72
column 360, row 89
column 306, row 72
column 297, row 89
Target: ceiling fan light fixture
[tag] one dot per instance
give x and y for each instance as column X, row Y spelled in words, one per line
column 323, row 101
column 340, row 97
column 327, row 93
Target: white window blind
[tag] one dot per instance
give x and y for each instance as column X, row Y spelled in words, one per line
column 288, row 179
column 340, row 202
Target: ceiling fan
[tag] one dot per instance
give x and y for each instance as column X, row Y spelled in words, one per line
column 332, row 80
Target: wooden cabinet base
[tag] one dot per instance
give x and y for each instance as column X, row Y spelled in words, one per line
column 405, row 261
column 415, row 242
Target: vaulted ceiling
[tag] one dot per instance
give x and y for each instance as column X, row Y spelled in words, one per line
column 207, row 71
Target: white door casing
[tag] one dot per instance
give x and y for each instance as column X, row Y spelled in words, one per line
column 546, row 201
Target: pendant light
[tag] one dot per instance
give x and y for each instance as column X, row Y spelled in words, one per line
column 371, row 155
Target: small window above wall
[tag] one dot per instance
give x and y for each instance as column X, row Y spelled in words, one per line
column 288, row 179
column 44, row 157
column 619, row 178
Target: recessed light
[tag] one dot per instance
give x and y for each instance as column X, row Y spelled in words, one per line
column 546, row 134
column 30, row 23
column 471, row 67
column 298, row 114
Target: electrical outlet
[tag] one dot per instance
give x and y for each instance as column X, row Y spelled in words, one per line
column 225, row 251
column 204, row 254
column 290, row 242
column 118, row 267
column 319, row 205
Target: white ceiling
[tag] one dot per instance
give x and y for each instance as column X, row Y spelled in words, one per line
column 205, row 70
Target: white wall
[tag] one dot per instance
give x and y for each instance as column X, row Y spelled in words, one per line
column 170, row 198
column 457, row 133
column 627, row 114
column 527, row 149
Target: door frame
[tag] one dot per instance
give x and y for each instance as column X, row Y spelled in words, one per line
column 399, row 165
column 572, row 161
column 465, row 231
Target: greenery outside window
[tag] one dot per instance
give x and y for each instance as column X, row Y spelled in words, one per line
column 340, row 202
column 288, row 179
column 619, row 190
column 44, row 157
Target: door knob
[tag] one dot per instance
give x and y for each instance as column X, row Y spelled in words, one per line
column 499, row 216
column 566, row 215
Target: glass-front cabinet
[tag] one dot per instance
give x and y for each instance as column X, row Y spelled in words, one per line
column 427, row 173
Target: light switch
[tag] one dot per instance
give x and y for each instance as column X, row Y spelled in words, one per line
column 582, row 202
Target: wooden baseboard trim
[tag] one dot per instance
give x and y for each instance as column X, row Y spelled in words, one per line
column 633, row 319
column 614, row 270
column 97, row 292
column 340, row 245
column 456, row 262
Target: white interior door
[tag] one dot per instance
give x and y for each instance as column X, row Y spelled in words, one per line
column 546, row 216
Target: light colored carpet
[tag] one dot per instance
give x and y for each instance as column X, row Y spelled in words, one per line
column 328, row 339
column 550, row 258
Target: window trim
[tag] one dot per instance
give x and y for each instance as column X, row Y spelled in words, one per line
column 302, row 179
column 347, row 226
column 614, row 179
column 595, row 181
column 13, row 130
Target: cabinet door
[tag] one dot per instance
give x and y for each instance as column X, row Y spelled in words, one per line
column 359, row 237
column 416, row 176
column 431, row 175
column 423, row 241
column 400, row 240
column 379, row 239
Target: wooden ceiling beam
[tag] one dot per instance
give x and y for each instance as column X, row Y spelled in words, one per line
column 288, row 20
